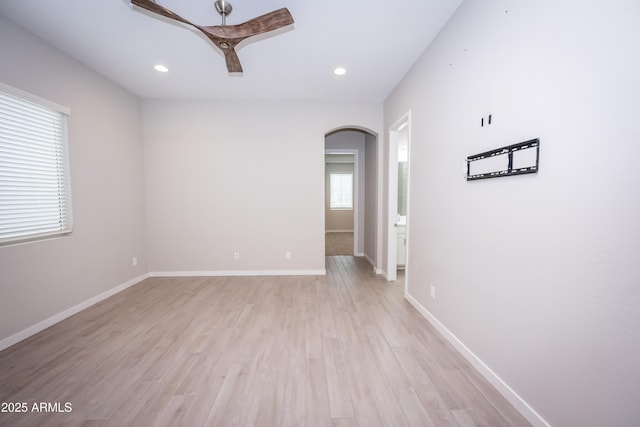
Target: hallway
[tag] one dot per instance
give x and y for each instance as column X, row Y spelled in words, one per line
column 338, row 243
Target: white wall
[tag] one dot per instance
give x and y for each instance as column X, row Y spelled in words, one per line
column 239, row 176
column 537, row 275
column 39, row 280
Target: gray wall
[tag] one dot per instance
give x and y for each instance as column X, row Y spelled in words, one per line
column 536, row 275
column 215, row 186
column 39, row 280
column 371, row 198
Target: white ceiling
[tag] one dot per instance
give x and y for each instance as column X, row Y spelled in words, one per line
column 376, row 41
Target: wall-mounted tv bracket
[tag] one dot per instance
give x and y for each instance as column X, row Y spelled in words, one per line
column 523, row 164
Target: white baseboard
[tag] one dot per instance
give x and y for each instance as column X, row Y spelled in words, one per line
column 32, row 330
column 238, row 273
column 523, row 407
column 370, row 261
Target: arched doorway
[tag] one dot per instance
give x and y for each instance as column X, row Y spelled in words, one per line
column 360, row 145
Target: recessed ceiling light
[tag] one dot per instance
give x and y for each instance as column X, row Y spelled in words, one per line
column 161, row 68
column 339, row 71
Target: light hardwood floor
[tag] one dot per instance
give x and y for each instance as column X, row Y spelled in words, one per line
column 340, row 350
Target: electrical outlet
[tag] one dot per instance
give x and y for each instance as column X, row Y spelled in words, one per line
column 432, row 292
column 134, row 261
column 236, row 256
column 287, row 255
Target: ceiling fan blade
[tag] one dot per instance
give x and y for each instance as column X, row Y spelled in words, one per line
column 233, row 62
column 260, row 25
column 156, row 8
column 226, row 37
column 267, row 22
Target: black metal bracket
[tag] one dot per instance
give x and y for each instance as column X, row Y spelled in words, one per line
column 508, row 151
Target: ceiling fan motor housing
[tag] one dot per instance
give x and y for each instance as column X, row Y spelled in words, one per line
column 223, row 8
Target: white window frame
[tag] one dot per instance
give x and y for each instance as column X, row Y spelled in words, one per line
column 338, row 200
column 35, row 184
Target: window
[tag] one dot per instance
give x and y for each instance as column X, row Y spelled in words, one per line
column 341, row 188
column 35, row 197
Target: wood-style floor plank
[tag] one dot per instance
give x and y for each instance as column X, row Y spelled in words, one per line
column 345, row 349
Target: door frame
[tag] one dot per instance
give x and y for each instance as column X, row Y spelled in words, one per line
column 356, row 192
column 404, row 122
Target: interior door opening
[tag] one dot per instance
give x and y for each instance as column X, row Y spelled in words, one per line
column 368, row 188
column 341, row 197
column 398, row 209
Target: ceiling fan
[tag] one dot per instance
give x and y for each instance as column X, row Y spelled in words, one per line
column 226, row 37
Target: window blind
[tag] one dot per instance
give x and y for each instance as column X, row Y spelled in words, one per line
column 35, row 199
